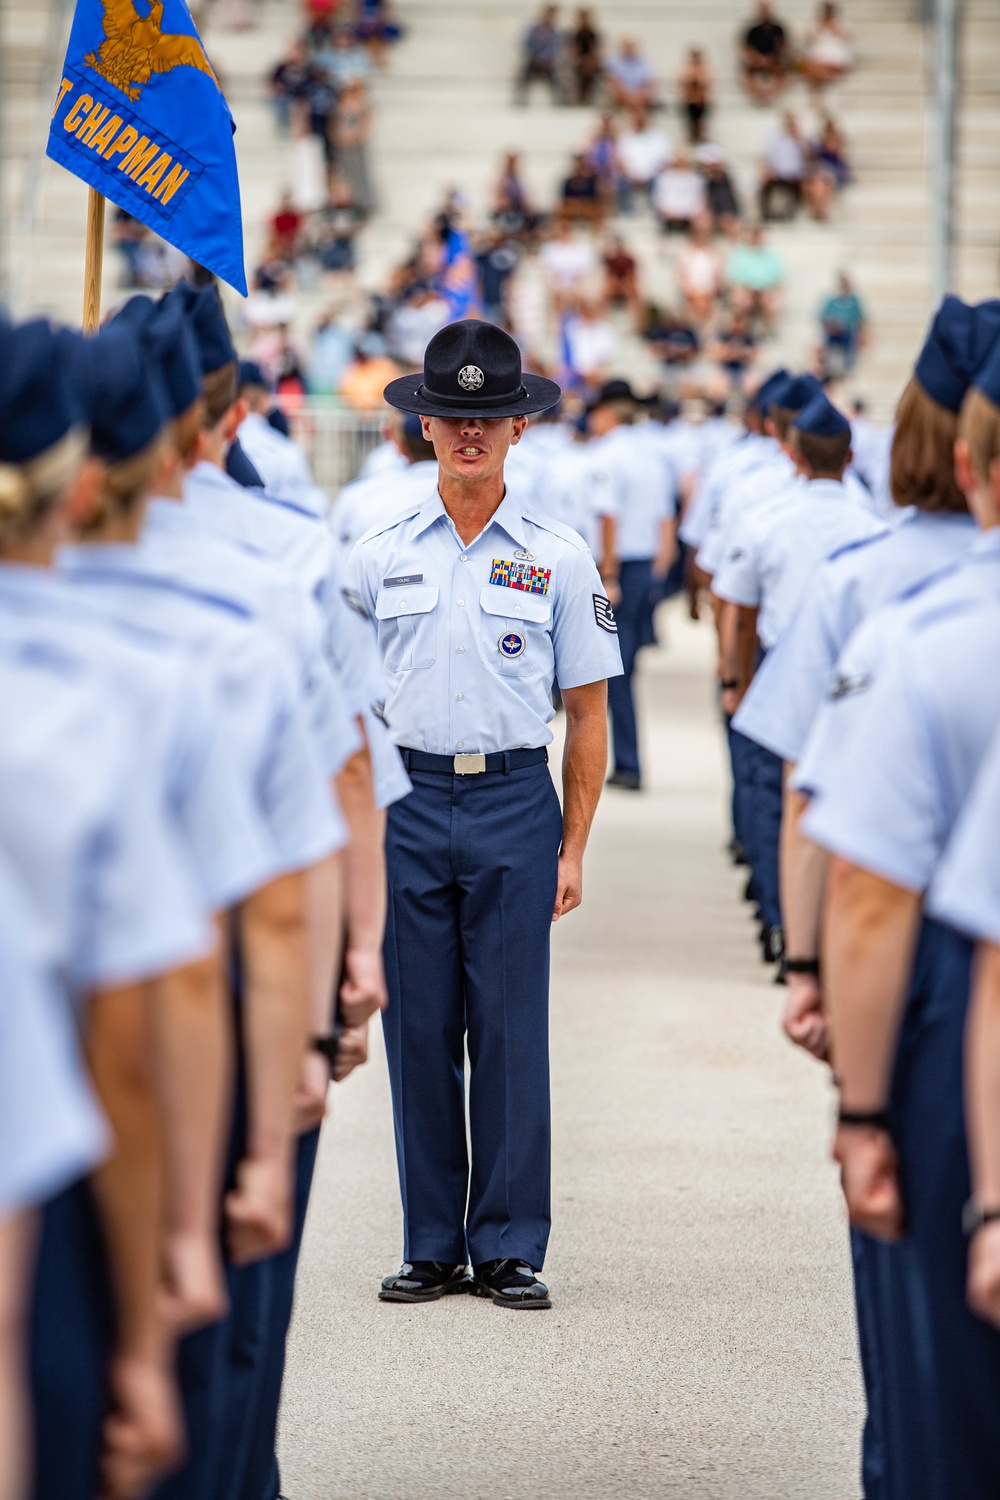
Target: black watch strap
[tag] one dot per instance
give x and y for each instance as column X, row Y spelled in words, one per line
column 974, row 1217
column 326, row 1045
column 874, row 1119
column 802, row 966
column 729, row 684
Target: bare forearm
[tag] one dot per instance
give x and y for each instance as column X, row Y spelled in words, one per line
column 585, row 764
column 192, row 1060
column 746, row 645
column 276, row 1009
column 365, row 855
column 869, row 939
column 128, row 1188
column 667, row 550
column 803, row 878
column 324, row 897
column 982, row 1067
column 726, row 623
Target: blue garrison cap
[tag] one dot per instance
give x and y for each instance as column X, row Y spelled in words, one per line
column 765, row 392
column 167, row 338
column 797, row 392
column 40, row 398
column 127, row 403
column 987, row 377
column 252, row 374
column 958, row 342
column 821, row 418
column 208, row 323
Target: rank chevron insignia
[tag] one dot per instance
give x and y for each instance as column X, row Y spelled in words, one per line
column 135, row 48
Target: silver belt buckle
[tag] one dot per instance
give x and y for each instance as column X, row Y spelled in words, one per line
column 470, row 765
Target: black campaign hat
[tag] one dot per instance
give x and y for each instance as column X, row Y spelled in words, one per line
column 472, row 369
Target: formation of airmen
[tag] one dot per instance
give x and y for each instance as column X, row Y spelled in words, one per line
column 266, row 771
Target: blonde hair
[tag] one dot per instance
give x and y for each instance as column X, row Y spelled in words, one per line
column 125, row 483
column 979, row 425
column 29, row 490
column 922, row 466
column 184, row 429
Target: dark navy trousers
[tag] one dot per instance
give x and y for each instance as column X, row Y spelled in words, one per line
column 472, row 865
column 634, row 614
column 763, row 794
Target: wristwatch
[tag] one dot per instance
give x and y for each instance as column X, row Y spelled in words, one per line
column 802, row 966
column 974, row 1216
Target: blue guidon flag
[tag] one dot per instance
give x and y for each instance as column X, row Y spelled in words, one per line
column 141, row 118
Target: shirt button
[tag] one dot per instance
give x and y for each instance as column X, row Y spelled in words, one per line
column 517, row 609
column 459, row 744
column 459, row 650
column 460, row 697
column 402, row 603
column 460, row 602
column 464, row 557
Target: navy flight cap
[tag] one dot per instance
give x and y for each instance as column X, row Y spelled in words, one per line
column 987, row 378
column 208, row 323
column 822, row 419
column 167, row 339
column 766, row 391
column 39, row 397
column 252, row 374
column 127, row 403
column 797, row 392
column 959, row 340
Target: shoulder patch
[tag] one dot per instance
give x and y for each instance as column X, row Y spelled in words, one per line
column 737, row 554
column 604, row 614
column 846, row 685
column 354, row 600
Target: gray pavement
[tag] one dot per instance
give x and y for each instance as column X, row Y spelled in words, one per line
column 701, row 1342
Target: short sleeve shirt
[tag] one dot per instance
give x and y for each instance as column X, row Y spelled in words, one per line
column 931, row 713
column 473, row 637
column 965, row 891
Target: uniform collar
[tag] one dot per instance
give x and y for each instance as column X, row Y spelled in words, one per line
column 988, row 542
column 170, row 518
column 25, row 582
column 508, row 516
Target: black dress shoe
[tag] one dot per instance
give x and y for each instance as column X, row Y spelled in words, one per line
column 509, row 1283
column 424, row 1281
column 629, row 781
column 772, row 942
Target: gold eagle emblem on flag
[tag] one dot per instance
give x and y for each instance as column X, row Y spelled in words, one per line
column 135, row 48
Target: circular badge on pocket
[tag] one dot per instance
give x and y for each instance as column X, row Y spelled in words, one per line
column 511, row 644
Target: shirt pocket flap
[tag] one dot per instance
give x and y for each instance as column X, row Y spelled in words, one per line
column 411, row 599
column 514, row 604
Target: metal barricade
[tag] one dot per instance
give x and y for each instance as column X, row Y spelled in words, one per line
column 337, row 440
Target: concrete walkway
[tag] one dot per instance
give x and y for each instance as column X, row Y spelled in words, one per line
column 701, row 1343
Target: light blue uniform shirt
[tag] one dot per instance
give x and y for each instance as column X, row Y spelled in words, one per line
column 758, row 485
column 641, row 479
column 931, row 713
column 472, row 637
column 975, row 574
column 580, row 491
column 965, row 890
column 282, row 464
column 277, row 768
column 776, row 550
column 860, row 578
column 51, row 1128
column 83, row 826
column 171, row 695
column 180, row 544
column 379, row 498
column 747, row 450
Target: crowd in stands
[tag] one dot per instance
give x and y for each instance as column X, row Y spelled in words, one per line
column 570, row 278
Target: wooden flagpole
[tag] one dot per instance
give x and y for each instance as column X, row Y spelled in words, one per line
column 93, row 272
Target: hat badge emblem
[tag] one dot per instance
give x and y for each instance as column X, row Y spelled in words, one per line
column 470, row 377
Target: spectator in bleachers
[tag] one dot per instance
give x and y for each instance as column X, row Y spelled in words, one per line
column 620, row 275
column 672, row 337
column 700, row 273
column 602, row 153
column 376, row 28
column 319, row 95
column 569, row 261
column 541, row 52
column 581, row 198
column 735, row 347
column 497, row 259
column 643, row 151
column 765, row 56
column 591, row 342
column 331, row 351
column 827, row 54
column 723, row 204
column 844, row 325
column 512, row 210
column 414, row 322
column 288, row 84
column 679, row 195
column 351, row 130
column 695, row 91
column 630, row 78
column 367, row 375
column 754, row 274
column 336, row 228
column 585, row 56
column 783, row 171
column 828, row 170
column 286, row 227
column 347, row 62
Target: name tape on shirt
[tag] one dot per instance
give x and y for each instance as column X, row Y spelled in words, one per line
column 403, row 581
column 604, row 614
column 520, row 575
